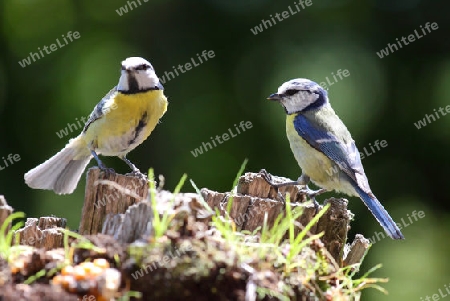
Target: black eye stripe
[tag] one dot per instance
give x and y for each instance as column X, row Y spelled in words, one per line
column 139, row 67
column 142, row 67
column 291, row 92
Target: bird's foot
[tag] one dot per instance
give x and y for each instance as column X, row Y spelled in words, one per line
column 269, row 179
column 266, row 176
column 101, row 165
column 137, row 173
column 311, row 194
column 105, row 169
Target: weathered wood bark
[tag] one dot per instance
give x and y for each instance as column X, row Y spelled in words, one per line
column 42, row 233
column 108, row 196
column 121, row 207
column 108, row 193
column 358, row 249
column 5, row 211
column 134, row 224
column 255, row 198
column 335, row 223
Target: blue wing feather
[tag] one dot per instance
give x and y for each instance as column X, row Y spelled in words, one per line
column 346, row 156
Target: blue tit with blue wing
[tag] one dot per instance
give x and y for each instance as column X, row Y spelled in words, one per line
column 120, row 122
column 324, row 148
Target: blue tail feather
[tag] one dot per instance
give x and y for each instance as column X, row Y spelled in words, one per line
column 380, row 214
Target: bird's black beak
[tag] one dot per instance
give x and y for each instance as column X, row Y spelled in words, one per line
column 275, row 96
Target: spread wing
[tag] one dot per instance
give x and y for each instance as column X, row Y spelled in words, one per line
column 344, row 154
column 99, row 109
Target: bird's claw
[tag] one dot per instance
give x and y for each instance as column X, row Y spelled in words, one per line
column 269, row 179
column 106, row 170
column 137, row 173
column 266, row 176
column 311, row 194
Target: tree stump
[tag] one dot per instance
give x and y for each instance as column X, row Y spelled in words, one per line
column 42, row 233
column 5, row 211
column 113, row 205
column 358, row 249
column 108, row 193
column 256, row 198
column 134, row 224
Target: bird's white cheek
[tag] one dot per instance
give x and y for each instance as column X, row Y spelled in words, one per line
column 292, row 105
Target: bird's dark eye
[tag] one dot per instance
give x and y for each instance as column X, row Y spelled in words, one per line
column 291, row 92
column 142, row 67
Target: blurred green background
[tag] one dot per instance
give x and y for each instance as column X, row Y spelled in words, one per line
column 380, row 100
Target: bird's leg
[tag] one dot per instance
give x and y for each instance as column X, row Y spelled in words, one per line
column 303, row 180
column 268, row 177
column 134, row 170
column 100, row 163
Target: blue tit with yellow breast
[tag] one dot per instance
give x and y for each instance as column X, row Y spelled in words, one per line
column 120, row 122
column 324, row 148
